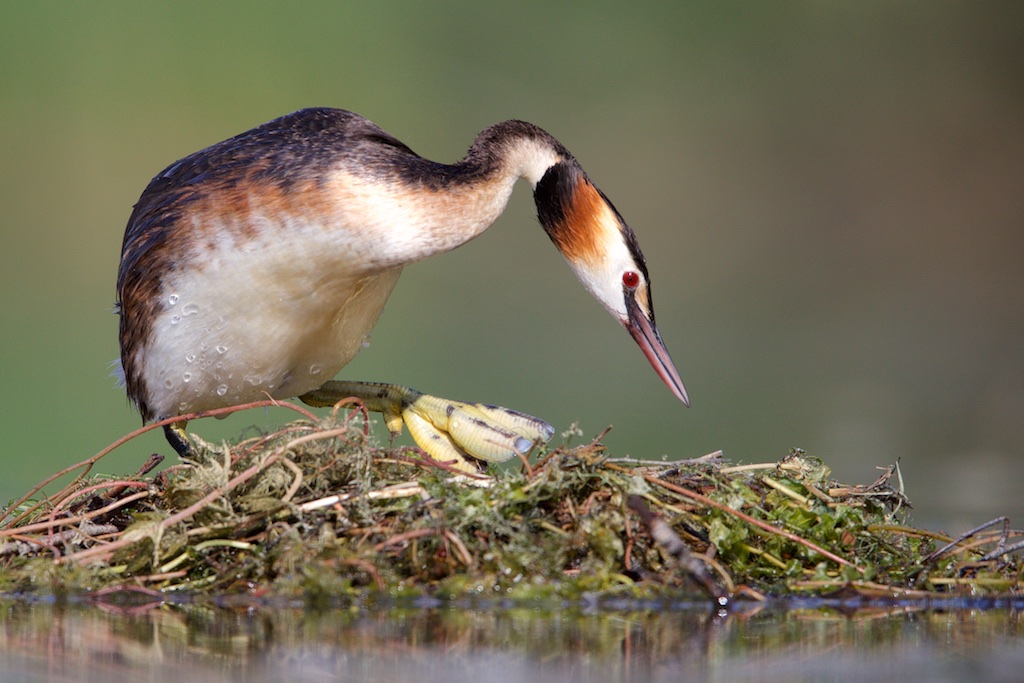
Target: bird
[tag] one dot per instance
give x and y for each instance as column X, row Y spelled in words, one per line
column 258, row 266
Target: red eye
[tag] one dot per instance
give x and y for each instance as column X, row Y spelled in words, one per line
column 630, row 279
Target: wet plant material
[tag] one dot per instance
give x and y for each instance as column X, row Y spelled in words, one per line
column 318, row 511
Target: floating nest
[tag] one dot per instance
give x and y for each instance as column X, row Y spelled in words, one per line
column 318, row 510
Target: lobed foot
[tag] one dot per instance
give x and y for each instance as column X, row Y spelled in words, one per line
column 456, row 433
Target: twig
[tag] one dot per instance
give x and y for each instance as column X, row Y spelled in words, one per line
column 239, row 479
column 358, row 406
column 528, row 471
column 406, row 536
column 117, row 484
column 49, row 524
column 931, row 557
column 367, row 567
column 664, row 536
column 467, row 559
column 151, row 463
column 87, row 464
column 735, row 469
column 427, row 461
column 786, row 491
column 1003, row 550
column 403, row 490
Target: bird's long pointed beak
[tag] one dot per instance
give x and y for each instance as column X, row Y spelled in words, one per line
column 647, row 337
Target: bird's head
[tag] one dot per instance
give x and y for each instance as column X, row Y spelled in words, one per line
column 603, row 252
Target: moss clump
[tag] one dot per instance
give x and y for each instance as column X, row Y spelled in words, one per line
column 317, row 511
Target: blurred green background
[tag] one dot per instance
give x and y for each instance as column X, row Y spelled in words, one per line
column 830, row 197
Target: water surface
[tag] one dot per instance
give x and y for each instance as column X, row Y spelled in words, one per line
column 450, row 642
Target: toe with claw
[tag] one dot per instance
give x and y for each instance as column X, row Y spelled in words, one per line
column 462, row 435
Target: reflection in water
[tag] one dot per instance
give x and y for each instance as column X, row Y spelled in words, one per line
column 78, row 642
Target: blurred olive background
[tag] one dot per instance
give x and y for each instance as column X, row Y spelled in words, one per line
column 830, row 197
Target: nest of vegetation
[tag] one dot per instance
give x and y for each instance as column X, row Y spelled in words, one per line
column 317, row 511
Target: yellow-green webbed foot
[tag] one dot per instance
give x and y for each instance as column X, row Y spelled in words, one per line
column 451, row 432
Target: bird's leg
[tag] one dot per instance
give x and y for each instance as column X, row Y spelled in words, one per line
column 451, row 432
column 175, row 434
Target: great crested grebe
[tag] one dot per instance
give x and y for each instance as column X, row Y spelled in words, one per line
column 258, row 266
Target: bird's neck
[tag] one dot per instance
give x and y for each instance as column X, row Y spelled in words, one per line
column 515, row 148
column 434, row 207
